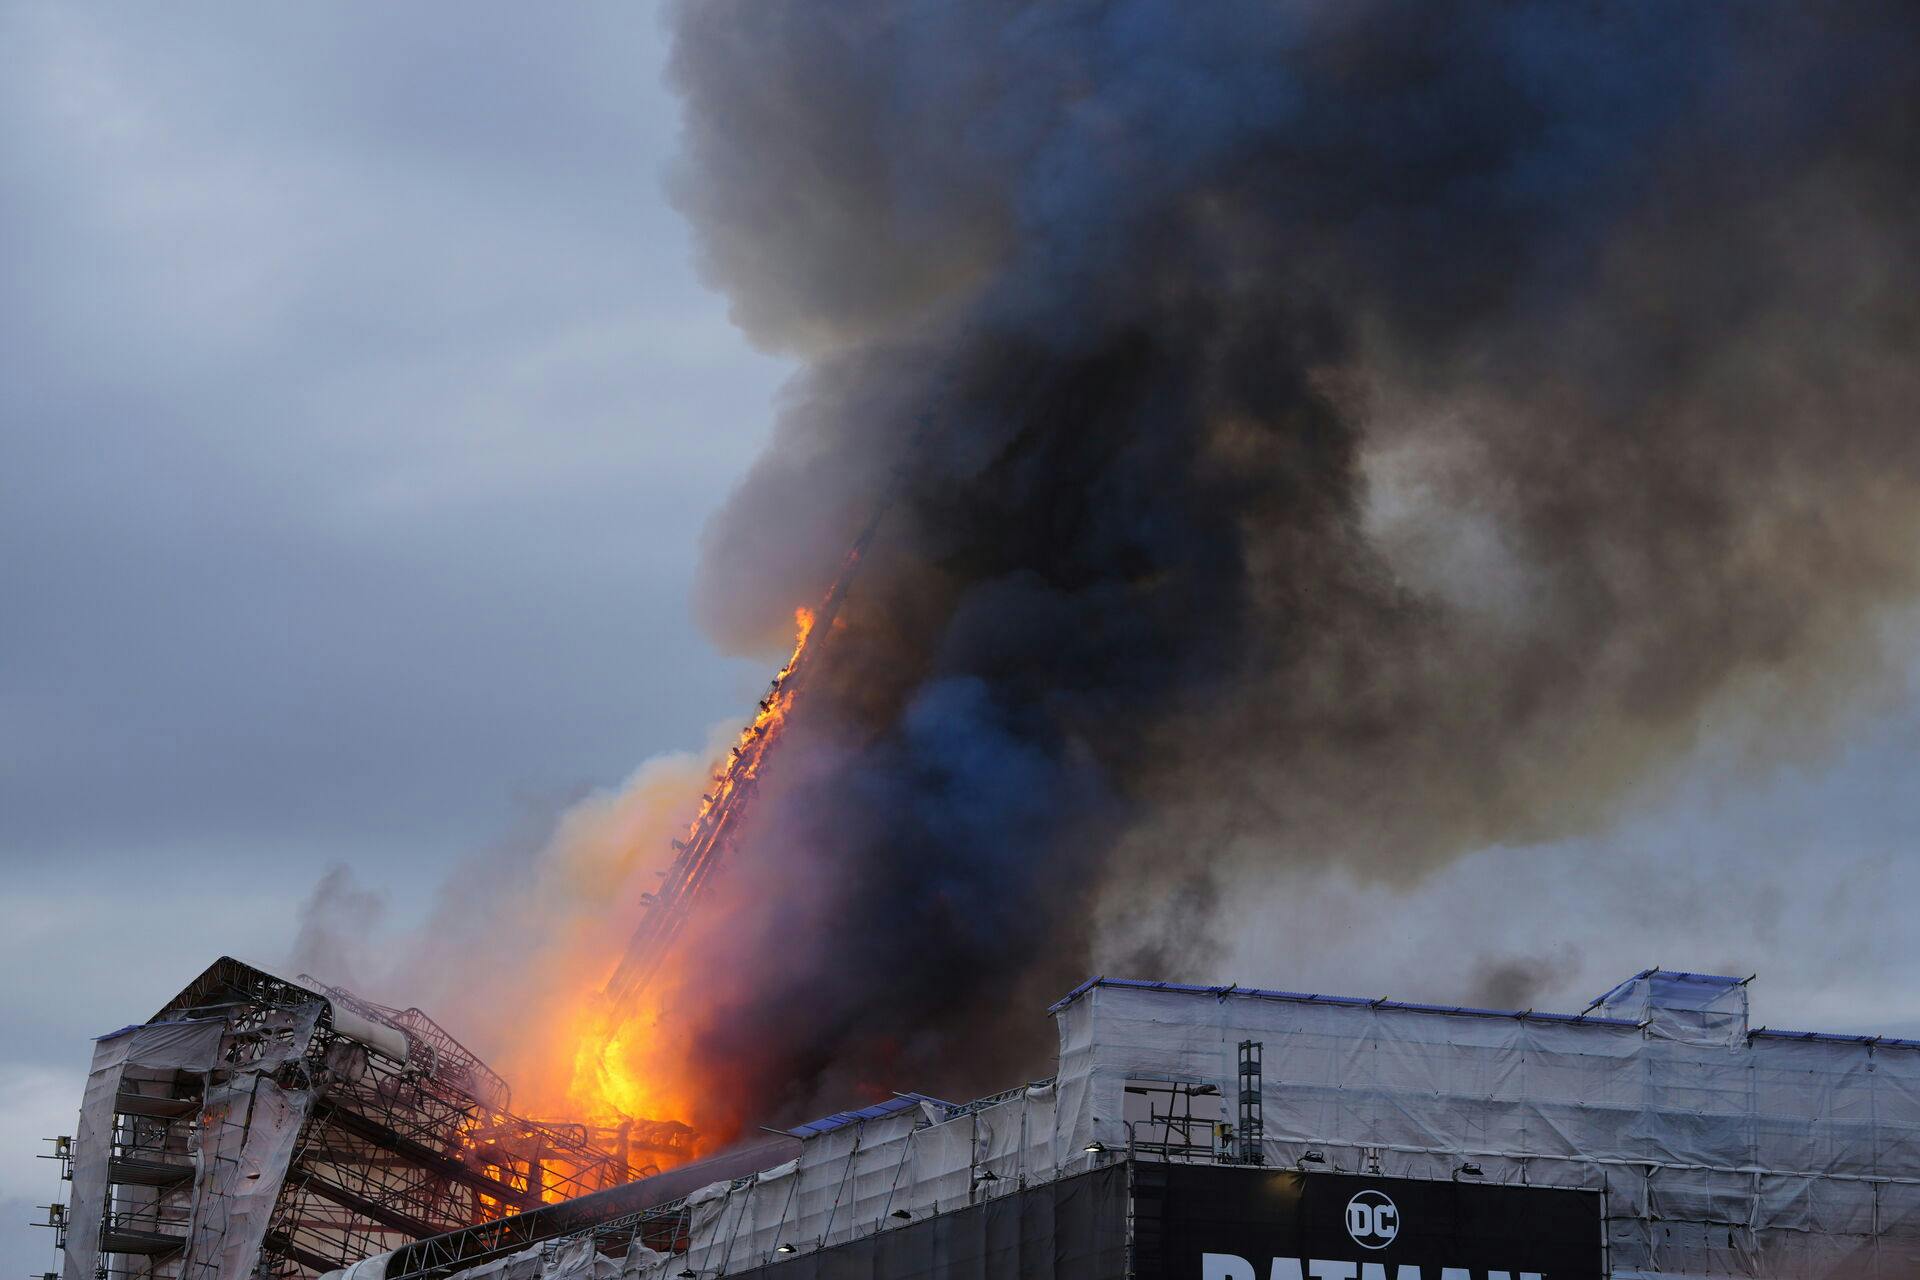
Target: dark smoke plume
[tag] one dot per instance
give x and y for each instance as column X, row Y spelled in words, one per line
column 1364, row 432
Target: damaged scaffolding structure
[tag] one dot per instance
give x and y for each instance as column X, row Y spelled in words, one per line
column 1216, row 1133
column 265, row 1126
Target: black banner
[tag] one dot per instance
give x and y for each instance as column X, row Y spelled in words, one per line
column 1072, row 1229
column 1195, row 1222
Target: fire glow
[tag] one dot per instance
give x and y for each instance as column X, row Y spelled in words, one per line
column 630, row 1062
column 621, row 1055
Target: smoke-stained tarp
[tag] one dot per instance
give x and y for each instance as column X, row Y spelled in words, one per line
column 1719, row 1152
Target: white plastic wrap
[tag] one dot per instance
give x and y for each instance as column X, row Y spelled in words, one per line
column 239, row 1141
column 858, row 1179
column 248, row 1131
column 567, row 1259
column 1720, row 1154
column 92, row 1145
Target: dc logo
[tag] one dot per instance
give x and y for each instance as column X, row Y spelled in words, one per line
column 1372, row 1220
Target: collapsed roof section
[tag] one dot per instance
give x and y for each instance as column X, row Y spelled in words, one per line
column 269, row 1126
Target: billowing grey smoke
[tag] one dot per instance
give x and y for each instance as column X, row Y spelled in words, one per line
column 1364, row 432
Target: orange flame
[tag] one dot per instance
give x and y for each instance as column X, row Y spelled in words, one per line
column 639, row 1063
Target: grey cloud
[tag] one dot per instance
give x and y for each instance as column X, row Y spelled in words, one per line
column 358, row 415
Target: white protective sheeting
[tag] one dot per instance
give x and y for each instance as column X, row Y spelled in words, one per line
column 1719, row 1154
column 92, row 1145
column 1689, row 1007
column 572, row 1258
column 238, row 1138
column 569, row 1258
column 374, row 1268
column 151, row 1053
column 177, row 1046
column 855, row 1180
column 248, row 1131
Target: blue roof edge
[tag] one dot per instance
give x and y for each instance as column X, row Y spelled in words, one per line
column 841, row 1119
column 1304, row 997
column 1834, row 1037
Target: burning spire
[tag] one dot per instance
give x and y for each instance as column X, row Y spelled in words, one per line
column 724, row 808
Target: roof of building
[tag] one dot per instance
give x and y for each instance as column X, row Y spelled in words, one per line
column 1236, row 991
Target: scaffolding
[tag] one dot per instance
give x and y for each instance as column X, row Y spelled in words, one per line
column 1172, row 1129
column 261, row 1126
column 1252, row 1128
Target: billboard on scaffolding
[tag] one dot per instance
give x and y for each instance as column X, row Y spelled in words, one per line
column 1265, row 1224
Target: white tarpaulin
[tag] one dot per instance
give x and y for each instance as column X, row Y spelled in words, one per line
column 232, row 1145
column 248, row 1132
column 875, row 1174
column 1720, row 1152
column 92, row 1145
column 133, row 1060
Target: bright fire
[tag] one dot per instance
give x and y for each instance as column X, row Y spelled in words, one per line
column 743, row 764
column 634, row 1060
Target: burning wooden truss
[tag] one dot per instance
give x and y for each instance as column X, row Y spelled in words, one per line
column 262, row 1126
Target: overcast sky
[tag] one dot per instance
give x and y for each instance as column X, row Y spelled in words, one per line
column 359, row 413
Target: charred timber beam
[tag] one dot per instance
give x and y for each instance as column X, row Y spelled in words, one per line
column 425, row 1157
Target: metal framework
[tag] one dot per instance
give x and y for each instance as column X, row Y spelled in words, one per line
column 390, row 1150
column 1252, row 1128
column 1170, row 1130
